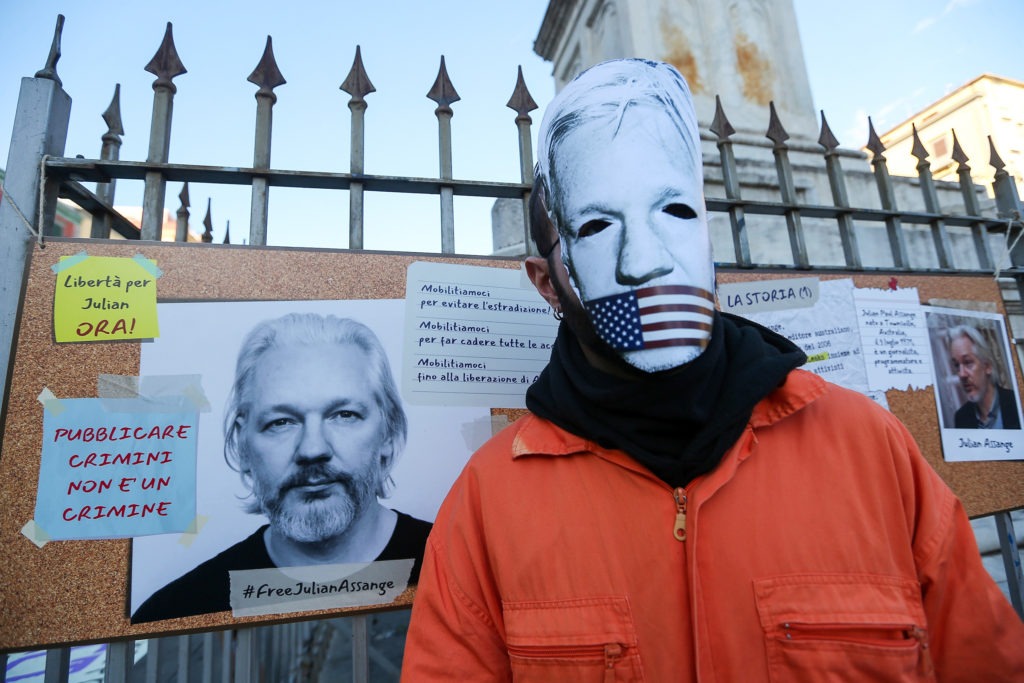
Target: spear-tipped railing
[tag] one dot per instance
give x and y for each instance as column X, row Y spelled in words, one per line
column 357, row 84
column 887, row 196
column 207, row 236
column 837, row 183
column 968, row 190
column 267, row 76
column 443, row 93
column 110, row 149
column 778, row 135
column 181, row 227
column 165, row 65
column 722, row 129
column 522, row 104
column 940, row 236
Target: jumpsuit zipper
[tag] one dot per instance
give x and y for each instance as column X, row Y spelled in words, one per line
column 612, row 653
column 679, row 531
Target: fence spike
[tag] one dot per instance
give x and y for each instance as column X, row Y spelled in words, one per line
column 776, row 133
column 181, row 227
column 49, row 70
column 918, row 150
column 521, row 102
column 720, row 125
column 357, row 83
column 165, row 64
column 826, row 139
column 109, row 149
column 266, row 75
column 958, row 153
column 840, row 197
column 940, row 235
column 112, row 116
column 971, row 205
column 227, row 233
column 443, row 92
column 874, row 144
column 208, row 223
column 993, row 159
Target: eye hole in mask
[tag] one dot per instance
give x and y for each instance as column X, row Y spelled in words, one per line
column 683, row 211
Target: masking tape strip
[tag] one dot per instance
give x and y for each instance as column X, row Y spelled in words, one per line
column 189, row 535
column 35, row 533
column 66, row 263
column 524, row 279
column 117, row 386
column 194, row 393
column 147, row 265
column 51, row 402
column 498, row 422
column 476, row 432
column 152, row 394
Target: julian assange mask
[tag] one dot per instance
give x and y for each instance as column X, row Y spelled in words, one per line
column 635, row 237
column 619, row 150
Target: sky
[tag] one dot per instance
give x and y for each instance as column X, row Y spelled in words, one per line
column 884, row 59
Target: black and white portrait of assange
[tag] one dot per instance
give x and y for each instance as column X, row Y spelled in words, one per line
column 308, row 455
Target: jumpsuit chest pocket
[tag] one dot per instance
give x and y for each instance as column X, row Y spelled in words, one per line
column 579, row 639
column 843, row 627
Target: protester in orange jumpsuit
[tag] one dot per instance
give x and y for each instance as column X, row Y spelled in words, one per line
column 683, row 503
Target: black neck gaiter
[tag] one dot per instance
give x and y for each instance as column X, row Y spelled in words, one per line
column 680, row 422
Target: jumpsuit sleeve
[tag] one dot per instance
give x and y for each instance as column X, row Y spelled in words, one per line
column 973, row 632
column 456, row 631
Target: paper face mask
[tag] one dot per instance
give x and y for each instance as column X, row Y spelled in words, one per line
column 636, row 238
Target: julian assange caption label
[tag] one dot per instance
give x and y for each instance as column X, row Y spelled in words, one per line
column 324, row 586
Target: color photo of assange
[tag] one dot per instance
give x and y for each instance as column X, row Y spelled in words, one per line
column 311, row 445
column 975, row 385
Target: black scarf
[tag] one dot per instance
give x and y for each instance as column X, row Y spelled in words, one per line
column 680, row 422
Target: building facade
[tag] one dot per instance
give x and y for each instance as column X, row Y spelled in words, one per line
column 987, row 106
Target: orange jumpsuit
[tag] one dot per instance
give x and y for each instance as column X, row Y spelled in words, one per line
column 823, row 547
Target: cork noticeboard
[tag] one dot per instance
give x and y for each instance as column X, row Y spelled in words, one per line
column 76, row 591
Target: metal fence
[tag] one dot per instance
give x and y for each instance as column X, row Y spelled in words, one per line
column 38, row 173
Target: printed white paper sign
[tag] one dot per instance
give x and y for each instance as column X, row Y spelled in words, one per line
column 894, row 338
column 473, row 336
column 827, row 333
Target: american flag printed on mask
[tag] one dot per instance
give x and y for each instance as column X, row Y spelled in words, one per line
column 653, row 317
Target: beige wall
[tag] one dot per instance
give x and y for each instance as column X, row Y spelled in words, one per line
column 988, row 105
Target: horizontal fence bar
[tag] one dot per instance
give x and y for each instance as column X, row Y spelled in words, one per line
column 728, row 266
column 89, row 170
column 98, row 207
column 876, row 215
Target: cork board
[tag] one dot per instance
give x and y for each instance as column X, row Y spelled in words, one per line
column 72, row 592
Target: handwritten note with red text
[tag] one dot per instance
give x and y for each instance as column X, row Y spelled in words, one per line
column 107, row 474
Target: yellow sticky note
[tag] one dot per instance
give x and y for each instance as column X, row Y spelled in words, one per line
column 103, row 298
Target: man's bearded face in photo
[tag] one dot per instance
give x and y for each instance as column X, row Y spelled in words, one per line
column 975, row 375
column 313, row 440
column 631, row 216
